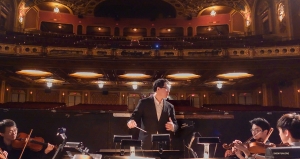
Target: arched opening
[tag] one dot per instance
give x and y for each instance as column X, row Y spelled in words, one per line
column 238, row 23
column 189, row 31
column 7, row 15
column 31, row 20
column 79, row 30
column 153, row 32
column 117, row 31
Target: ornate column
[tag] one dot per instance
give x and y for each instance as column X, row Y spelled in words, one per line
column 264, row 95
column 2, row 92
column 296, row 93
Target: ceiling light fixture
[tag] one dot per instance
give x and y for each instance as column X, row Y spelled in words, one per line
column 49, row 84
column 183, row 76
column 219, row 85
column 35, row 73
column 101, row 84
column 86, row 75
column 234, row 75
column 213, row 13
column 135, row 76
column 134, row 86
column 56, row 9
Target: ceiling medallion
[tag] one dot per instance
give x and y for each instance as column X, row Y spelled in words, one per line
column 86, row 75
column 234, row 75
column 135, row 76
column 35, row 73
column 183, row 76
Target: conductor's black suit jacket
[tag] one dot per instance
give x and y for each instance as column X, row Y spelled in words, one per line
column 145, row 114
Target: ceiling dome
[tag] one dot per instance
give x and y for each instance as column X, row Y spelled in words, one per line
column 135, row 9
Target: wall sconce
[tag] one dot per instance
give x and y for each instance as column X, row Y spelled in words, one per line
column 232, row 95
column 86, row 94
column 30, row 92
column 63, row 93
column 123, row 95
column 280, row 91
column 298, row 90
column 21, row 19
column 134, row 29
column 99, row 28
column 7, row 89
column 204, row 95
column 259, row 92
column 248, row 22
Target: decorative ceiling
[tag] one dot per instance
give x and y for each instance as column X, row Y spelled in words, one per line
column 287, row 70
column 184, row 8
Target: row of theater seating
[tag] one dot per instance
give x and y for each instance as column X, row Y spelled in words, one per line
column 147, row 43
column 238, row 107
column 32, row 105
column 178, row 108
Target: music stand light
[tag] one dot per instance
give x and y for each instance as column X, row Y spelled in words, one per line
column 119, row 138
column 206, row 141
column 132, row 143
column 160, row 139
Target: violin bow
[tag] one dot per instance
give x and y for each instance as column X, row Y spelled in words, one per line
column 269, row 134
column 26, row 141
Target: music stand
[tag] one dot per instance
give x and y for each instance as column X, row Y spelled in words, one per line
column 118, row 138
column 130, row 143
column 160, row 139
column 206, row 141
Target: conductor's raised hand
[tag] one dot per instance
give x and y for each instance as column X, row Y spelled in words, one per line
column 170, row 125
column 131, row 124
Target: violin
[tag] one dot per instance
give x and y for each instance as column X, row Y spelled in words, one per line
column 260, row 147
column 35, row 144
column 229, row 146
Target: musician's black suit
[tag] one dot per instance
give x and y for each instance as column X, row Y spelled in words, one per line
column 145, row 114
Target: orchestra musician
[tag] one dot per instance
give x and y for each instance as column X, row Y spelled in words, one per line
column 288, row 126
column 8, row 132
column 156, row 115
column 259, row 128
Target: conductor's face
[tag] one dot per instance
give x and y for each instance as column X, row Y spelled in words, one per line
column 164, row 91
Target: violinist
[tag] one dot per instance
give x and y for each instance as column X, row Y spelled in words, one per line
column 289, row 131
column 260, row 129
column 8, row 132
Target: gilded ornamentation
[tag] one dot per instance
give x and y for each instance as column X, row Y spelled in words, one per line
column 183, row 7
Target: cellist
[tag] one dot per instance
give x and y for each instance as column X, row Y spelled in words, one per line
column 8, row 132
column 259, row 128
